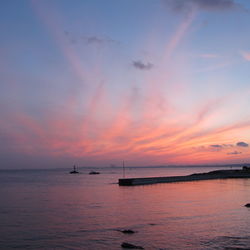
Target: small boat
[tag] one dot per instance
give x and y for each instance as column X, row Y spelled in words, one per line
column 74, row 170
column 94, row 172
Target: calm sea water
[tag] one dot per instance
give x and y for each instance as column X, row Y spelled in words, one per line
column 51, row 209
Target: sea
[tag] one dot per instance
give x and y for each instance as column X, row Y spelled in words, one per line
column 52, row 209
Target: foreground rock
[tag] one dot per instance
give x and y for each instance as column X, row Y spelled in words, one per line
column 247, row 205
column 94, row 172
column 127, row 231
column 131, row 246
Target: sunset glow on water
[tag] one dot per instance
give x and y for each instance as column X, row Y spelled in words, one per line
column 50, row 209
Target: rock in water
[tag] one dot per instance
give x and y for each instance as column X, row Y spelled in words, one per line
column 127, row 231
column 94, row 172
column 247, row 205
column 131, row 246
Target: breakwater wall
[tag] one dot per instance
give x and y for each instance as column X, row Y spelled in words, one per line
column 218, row 174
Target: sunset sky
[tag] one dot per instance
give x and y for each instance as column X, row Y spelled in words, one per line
column 153, row 82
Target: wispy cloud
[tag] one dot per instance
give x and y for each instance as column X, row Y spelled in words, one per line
column 234, row 153
column 142, row 66
column 215, row 67
column 179, row 34
column 206, row 5
column 221, row 148
column 216, row 146
column 98, row 40
column 93, row 39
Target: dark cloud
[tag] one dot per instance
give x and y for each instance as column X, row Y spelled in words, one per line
column 96, row 40
column 242, row 144
column 207, row 5
column 234, row 153
column 222, row 147
column 142, row 66
column 93, row 39
column 216, row 146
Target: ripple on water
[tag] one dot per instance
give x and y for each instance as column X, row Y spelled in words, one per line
column 228, row 242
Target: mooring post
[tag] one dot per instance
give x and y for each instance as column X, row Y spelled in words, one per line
column 123, row 169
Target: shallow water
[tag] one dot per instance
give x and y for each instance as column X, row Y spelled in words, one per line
column 51, row 209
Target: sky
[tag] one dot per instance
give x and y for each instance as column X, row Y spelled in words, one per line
column 151, row 82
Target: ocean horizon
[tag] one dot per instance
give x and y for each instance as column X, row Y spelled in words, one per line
column 80, row 166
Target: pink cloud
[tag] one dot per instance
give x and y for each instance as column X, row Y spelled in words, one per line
column 245, row 55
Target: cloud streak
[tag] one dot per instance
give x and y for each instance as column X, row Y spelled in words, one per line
column 98, row 40
column 216, row 146
column 89, row 40
column 234, row 153
column 64, row 134
column 206, row 5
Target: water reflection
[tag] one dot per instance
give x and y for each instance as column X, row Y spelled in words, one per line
column 57, row 210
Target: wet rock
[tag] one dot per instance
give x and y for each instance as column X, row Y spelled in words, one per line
column 94, row 172
column 247, row 205
column 130, row 246
column 127, row 231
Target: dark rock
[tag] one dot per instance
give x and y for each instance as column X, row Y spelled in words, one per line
column 94, row 172
column 131, row 246
column 127, row 231
column 247, row 205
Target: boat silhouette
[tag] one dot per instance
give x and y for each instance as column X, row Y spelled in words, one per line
column 74, row 170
